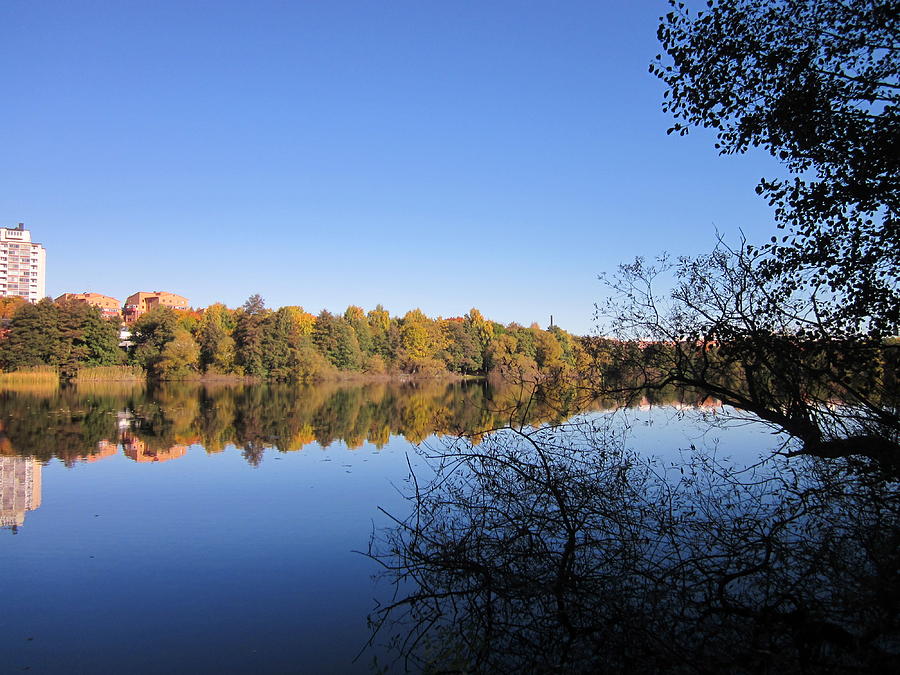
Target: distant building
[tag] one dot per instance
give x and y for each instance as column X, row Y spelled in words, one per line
column 143, row 302
column 20, row 489
column 109, row 307
column 23, row 264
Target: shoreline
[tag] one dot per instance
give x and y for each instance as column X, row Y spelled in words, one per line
column 350, row 378
column 340, row 377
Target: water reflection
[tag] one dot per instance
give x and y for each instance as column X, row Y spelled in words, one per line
column 93, row 421
column 137, row 450
column 224, row 520
column 558, row 550
column 20, row 490
column 156, row 424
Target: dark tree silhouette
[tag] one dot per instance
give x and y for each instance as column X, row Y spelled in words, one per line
column 726, row 328
column 816, row 83
column 556, row 550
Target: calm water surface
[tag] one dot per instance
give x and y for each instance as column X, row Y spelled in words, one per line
column 189, row 528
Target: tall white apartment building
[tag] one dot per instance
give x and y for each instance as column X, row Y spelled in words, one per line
column 23, row 264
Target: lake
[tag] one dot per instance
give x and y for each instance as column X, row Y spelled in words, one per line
column 217, row 528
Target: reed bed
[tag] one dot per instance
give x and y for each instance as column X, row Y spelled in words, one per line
column 39, row 375
column 110, row 374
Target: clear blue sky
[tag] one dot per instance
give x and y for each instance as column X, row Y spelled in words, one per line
column 439, row 155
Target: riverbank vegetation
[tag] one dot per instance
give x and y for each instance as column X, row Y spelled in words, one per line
column 38, row 375
column 284, row 344
column 110, row 374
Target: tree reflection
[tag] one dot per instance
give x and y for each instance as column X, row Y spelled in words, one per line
column 81, row 422
column 558, row 550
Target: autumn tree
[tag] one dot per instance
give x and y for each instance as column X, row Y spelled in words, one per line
column 214, row 335
column 179, row 358
column 9, row 305
column 420, row 341
column 483, row 328
column 415, row 335
column 357, row 319
column 548, row 352
column 254, row 305
column 503, row 357
column 303, row 322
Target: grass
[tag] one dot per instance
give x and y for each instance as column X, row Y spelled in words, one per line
column 111, row 374
column 38, row 380
column 37, row 375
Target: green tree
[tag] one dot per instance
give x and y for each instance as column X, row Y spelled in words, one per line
column 335, row 338
column 380, row 329
column 526, row 339
column 283, row 334
column 34, row 337
column 86, row 338
column 68, row 336
column 462, row 353
column 567, row 343
column 248, row 336
column 101, row 337
column 149, row 336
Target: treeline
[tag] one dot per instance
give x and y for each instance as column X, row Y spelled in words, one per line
column 292, row 344
column 284, row 344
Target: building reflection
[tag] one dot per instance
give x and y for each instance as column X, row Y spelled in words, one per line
column 134, row 448
column 139, row 451
column 20, row 489
column 20, row 477
column 104, row 449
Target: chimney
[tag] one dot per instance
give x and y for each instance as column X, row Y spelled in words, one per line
column 21, row 226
